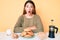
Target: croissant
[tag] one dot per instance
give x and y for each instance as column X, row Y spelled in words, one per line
column 27, row 33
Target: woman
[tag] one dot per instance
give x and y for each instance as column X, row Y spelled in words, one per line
column 29, row 19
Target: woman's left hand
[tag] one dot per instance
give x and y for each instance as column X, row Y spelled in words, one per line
column 42, row 35
column 33, row 27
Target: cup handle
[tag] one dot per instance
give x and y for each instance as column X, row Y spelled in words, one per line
column 56, row 29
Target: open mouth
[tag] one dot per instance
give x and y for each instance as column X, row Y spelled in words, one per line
column 28, row 11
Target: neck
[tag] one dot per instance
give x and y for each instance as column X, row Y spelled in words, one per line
column 29, row 14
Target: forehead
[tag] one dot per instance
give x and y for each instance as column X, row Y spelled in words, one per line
column 29, row 4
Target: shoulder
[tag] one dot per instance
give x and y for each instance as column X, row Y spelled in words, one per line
column 37, row 16
column 21, row 17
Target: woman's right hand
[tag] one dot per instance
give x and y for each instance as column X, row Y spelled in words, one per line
column 14, row 36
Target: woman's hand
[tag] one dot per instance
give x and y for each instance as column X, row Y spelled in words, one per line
column 30, row 28
column 33, row 27
column 42, row 35
column 14, row 36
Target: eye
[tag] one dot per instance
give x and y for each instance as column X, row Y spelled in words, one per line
column 31, row 6
column 27, row 6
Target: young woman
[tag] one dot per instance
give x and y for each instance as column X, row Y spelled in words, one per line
column 29, row 19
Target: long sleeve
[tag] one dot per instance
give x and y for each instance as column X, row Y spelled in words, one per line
column 18, row 26
column 39, row 25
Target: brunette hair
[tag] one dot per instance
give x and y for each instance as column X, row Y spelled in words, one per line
column 29, row 1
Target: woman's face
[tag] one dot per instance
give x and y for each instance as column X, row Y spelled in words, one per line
column 29, row 8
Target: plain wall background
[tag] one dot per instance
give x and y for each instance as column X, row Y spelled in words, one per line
column 10, row 10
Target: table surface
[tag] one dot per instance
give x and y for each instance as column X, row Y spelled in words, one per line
column 3, row 36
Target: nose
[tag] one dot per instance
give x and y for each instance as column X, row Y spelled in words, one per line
column 29, row 8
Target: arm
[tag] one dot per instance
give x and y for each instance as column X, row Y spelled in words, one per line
column 18, row 26
column 39, row 26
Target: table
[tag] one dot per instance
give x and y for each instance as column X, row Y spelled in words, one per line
column 3, row 36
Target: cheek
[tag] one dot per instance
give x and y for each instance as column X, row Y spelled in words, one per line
column 32, row 9
column 26, row 9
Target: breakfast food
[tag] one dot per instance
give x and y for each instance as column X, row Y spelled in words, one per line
column 27, row 33
column 23, row 34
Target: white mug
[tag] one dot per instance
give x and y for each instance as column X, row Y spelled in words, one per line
column 8, row 32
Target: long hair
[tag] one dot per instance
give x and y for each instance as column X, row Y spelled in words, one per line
column 29, row 1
